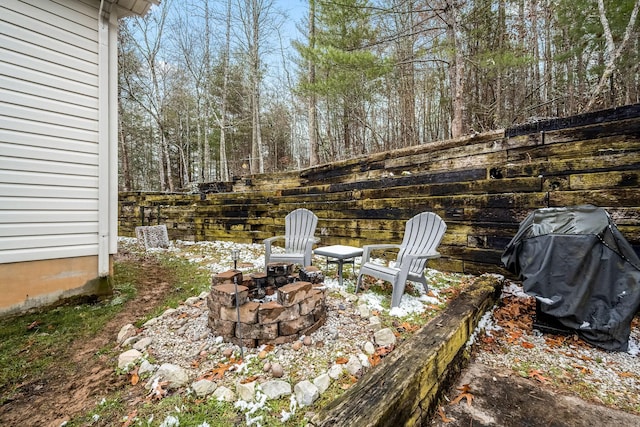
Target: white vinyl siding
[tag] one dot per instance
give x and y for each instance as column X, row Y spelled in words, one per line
column 48, row 129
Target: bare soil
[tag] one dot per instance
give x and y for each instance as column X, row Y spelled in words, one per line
column 500, row 398
column 64, row 393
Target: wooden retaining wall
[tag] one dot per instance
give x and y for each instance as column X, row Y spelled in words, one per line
column 481, row 185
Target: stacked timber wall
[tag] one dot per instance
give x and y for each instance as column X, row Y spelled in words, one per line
column 482, row 186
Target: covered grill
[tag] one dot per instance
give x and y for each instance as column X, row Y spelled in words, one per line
column 582, row 271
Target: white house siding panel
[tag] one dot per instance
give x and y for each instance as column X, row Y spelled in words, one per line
column 48, row 129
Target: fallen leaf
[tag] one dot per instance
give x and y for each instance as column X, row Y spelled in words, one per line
column 33, row 324
column 134, row 376
column 537, row 375
column 375, row 359
column 131, row 416
column 158, row 392
column 249, row 379
column 465, row 393
column 409, row 327
column 218, row 373
column 443, row 417
column 341, row 360
column 526, row 344
column 383, row 351
column 626, row 375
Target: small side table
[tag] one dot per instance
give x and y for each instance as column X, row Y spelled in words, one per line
column 339, row 254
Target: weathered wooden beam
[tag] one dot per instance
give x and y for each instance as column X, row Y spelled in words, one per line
column 405, row 387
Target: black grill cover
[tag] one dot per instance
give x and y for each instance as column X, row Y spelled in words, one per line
column 581, row 269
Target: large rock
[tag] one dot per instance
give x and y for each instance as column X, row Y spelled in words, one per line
column 175, row 375
column 142, row 344
column 385, row 337
column 224, row 394
column 353, row 366
column 203, row 388
column 322, row 382
column 306, row 393
column 126, row 332
column 128, row 358
column 276, row 389
column 246, row 391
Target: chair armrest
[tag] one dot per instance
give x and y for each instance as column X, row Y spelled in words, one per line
column 270, row 240
column 367, row 249
column 430, row 255
column 310, row 242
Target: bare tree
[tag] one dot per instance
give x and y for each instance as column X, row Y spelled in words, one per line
column 151, row 97
column 612, row 53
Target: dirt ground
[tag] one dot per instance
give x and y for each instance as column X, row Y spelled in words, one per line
column 60, row 394
column 500, row 398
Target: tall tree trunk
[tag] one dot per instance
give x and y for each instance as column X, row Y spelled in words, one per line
column 224, row 164
column 313, row 99
column 456, row 70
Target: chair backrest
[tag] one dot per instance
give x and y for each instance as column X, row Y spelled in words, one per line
column 422, row 235
column 300, row 225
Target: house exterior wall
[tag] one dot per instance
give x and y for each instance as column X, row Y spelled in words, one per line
column 57, row 145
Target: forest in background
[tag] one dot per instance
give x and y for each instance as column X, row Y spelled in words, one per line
column 210, row 90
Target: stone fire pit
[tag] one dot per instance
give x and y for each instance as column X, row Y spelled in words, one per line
column 274, row 308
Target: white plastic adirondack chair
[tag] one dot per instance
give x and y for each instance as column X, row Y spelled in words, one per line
column 299, row 227
column 422, row 235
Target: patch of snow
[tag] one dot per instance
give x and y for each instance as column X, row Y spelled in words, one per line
column 485, row 324
column 633, row 349
column 170, row 421
column 515, row 290
column 585, row 325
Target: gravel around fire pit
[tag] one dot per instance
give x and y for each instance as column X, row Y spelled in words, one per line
column 343, row 348
column 505, row 338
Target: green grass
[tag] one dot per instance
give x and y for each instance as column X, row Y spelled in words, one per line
column 32, row 343
column 35, row 343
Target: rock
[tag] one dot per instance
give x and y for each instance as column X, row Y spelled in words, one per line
column 127, row 358
column 364, row 311
column 369, row 348
column 276, row 370
column 127, row 331
column 168, row 312
column 246, row 391
column 384, row 337
column 335, row 371
column 145, row 367
column 143, row 344
column 130, row 341
column 262, row 354
column 354, row 366
column 191, row 301
column 296, row 345
column 306, row 393
column 364, row 360
column 224, row 394
column 374, row 323
column 175, row 375
column 227, row 352
column 203, row 295
column 266, row 367
column 322, row 382
column 307, row 341
column 275, row 389
column 203, row 388
column 150, row 322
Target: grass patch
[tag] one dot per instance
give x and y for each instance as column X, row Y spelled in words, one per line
column 32, row 343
